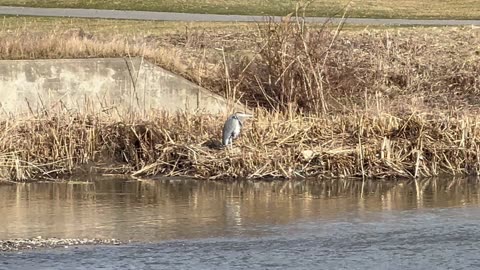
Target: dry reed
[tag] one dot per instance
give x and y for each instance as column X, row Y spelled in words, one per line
column 273, row 145
column 362, row 104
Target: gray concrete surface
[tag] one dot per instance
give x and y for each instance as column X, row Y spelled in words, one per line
column 116, row 85
column 170, row 16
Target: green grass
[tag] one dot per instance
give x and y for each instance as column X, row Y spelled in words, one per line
column 448, row 9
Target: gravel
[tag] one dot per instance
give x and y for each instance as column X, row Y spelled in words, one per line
column 39, row 242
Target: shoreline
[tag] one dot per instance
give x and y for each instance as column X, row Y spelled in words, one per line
column 358, row 145
column 387, row 104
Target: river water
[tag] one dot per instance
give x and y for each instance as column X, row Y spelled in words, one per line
column 187, row 224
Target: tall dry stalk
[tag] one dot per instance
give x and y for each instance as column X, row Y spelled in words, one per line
column 274, row 145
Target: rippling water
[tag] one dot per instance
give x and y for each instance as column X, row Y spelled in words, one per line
column 262, row 225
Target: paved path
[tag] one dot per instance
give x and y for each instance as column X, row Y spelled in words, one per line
column 171, row 16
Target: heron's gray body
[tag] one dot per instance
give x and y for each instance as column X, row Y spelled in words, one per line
column 232, row 128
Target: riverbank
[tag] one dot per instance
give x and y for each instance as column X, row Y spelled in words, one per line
column 265, row 64
column 360, row 144
column 358, row 103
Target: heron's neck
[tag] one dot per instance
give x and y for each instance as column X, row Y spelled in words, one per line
column 238, row 119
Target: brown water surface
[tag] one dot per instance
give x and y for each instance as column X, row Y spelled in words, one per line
column 172, row 209
column 187, row 224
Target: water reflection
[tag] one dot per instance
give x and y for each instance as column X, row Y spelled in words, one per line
column 178, row 208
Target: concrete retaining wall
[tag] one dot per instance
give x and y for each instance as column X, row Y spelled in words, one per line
column 124, row 85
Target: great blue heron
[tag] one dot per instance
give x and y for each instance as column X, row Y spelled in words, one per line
column 232, row 127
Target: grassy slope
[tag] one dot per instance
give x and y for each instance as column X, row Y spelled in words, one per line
column 108, row 26
column 453, row 9
column 192, row 50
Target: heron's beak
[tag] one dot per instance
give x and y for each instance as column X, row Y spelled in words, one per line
column 246, row 115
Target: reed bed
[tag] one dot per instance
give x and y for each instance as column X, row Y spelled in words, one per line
column 372, row 103
column 272, row 145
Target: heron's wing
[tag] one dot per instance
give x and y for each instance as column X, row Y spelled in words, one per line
column 228, row 128
column 231, row 126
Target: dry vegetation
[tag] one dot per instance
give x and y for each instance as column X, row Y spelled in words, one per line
column 365, row 103
column 286, row 63
column 273, row 145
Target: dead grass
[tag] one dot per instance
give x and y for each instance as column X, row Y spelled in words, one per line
column 451, row 9
column 273, row 145
column 269, row 64
column 316, row 70
column 189, row 49
column 370, row 103
column 111, row 27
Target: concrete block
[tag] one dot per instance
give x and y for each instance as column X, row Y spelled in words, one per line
column 126, row 85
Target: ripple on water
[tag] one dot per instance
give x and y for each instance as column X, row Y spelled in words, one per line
column 259, row 225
